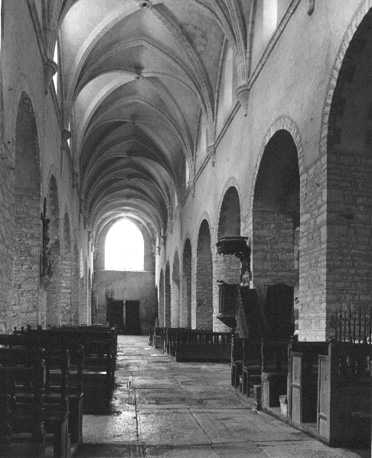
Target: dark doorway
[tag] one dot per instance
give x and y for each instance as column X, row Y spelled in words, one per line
column 132, row 318
column 115, row 314
column 279, row 312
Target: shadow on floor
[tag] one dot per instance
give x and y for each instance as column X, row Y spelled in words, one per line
column 116, row 450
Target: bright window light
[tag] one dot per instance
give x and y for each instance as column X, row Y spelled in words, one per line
column 202, row 141
column 56, row 60
column 187, row 173
column 124, row 247
column 270, row 17
column 69, row 139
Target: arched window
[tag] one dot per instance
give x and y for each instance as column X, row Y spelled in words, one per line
column 69, row 138
column 124, row 247
column 202, row 136
column 270, row 17
column 187, row 174
column 56, row 60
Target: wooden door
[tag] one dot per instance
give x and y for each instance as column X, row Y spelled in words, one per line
column 115, row 314
column 132, row 318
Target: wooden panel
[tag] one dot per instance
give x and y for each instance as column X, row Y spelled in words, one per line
column 323, row 397
column 350, row 389
column 203, row 352
column 296, row 395
column 115, row 314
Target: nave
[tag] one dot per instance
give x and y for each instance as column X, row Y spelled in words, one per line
column 163, row 408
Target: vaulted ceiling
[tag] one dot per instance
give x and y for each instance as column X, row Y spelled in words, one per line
column 135, row 76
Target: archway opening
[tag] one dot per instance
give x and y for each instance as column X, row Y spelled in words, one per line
column 275, row 241
column 349, row 191
column 228, row 266
column 204, row 279
column 27, row 218
column 124, row 247
column 161, row 299
column 186, row 286
column 167, row 297
column 176, row 292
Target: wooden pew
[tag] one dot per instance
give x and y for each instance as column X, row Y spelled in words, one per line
column 193, row 344
column 274, row 371
column 22, row 429
column 204, row 346
column 35, row 412
column 236, row 360
column 329, row 390
column 251, row 366
column 303, row 380
column 100, row 348
column 64, row 375
column 344, row 393
column 59, row 366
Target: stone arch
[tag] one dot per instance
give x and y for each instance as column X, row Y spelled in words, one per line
column 211, row 222
column 176, row 309
column 53, row 317
column 228, row 267
column 186, row 285
column 346, row 140
column 282, row 123
column 229, row 217
column 27, row 223
column 167, row 296
column 276, row 217
column 204, row 279
column 349, row 35
column 161, row 300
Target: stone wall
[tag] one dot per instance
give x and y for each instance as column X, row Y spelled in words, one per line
column 6, row 241
column 31, row 152
column 167, row 297
column 329, row 119
column 186, row 292
column 303, row 111
column 125, row 286
column 175, row 293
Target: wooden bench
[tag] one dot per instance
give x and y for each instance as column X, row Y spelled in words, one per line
column 203, row 353
column 251, row 366
column 274, row 371
column 21, row 433
column 36, row 411
column 204, row 346
column 193, row 344
column 99, row 347
column 236, row 359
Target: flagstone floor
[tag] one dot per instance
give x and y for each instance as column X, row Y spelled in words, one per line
column 162, row 408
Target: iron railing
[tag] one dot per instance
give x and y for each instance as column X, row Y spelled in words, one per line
column 352, row 325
